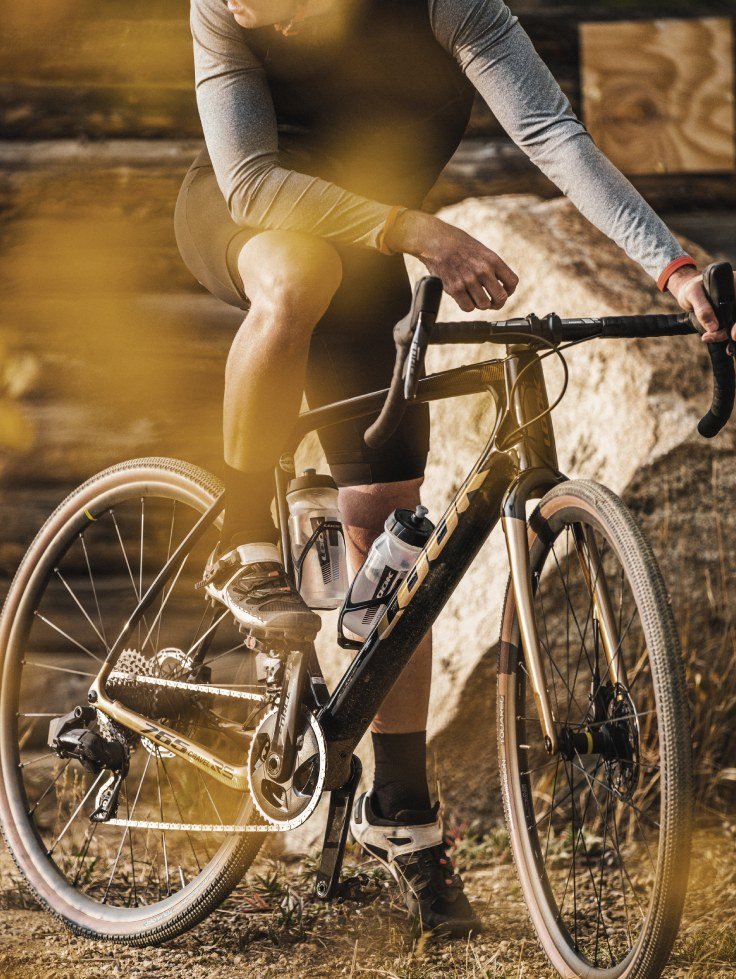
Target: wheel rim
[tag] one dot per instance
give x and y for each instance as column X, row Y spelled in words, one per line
column 68, row 615
column 590, row 825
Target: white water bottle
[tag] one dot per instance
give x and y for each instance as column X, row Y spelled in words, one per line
column 389, row 561
column 317, row 543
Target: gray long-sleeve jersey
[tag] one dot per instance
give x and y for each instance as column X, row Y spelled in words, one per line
column 254, row 96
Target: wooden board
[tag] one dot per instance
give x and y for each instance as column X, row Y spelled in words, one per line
column 658, row 95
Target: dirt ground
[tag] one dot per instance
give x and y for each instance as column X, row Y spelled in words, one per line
column 289, row 935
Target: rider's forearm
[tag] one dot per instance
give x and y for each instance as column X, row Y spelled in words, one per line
column 415, row 233
column 499, row 58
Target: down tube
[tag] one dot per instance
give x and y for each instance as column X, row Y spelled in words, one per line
column 457, row 539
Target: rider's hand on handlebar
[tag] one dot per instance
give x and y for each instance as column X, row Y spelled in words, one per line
column 475, row 276
column 686, row 285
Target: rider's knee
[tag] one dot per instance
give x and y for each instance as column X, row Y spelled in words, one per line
column 296, row 276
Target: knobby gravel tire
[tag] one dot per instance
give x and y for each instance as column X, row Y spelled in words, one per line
column 586, row 501
column 145, row 925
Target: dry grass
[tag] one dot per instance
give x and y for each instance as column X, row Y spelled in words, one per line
column 272, row 927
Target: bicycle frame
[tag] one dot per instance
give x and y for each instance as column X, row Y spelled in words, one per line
column 518, row 462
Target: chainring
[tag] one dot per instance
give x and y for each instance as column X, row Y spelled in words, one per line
column 288, row 804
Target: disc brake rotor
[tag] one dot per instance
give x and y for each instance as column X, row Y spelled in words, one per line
column 288, row 804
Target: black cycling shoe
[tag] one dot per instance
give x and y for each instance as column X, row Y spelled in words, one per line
column 250, row 581
column 413, row 850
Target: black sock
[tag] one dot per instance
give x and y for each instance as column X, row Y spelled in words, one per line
column 247, row 517
column 400, row 777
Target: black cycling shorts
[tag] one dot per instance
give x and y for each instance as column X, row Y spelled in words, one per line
column 352, row 350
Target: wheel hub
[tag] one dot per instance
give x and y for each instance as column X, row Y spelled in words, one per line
column 615, row 738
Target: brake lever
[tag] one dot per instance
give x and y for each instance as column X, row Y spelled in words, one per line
column 415, row 357
column 719, row 288
column 425, row 306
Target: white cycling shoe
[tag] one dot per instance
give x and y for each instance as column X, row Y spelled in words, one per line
column 413, row 850
column 250, row 581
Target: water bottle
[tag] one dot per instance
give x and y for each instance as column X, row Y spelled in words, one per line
column 317, row 542
column 389, row 561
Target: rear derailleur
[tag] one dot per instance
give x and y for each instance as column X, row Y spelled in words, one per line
column 70, row 736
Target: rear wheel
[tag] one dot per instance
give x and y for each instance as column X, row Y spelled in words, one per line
column 165, row 864
column 600, row 830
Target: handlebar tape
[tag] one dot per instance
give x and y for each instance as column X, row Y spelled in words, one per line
column 719, row 287
column 650, row 325
column 426, row 300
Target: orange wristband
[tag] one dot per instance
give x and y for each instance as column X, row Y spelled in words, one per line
column 395, row 211
column 679, row 263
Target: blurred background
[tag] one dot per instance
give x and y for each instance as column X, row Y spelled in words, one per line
column 109, row 347
column 110, row 350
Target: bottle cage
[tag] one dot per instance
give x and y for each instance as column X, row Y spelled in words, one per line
column 322, row 530
column 350, row 606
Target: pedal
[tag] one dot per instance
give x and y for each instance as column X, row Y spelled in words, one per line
column 327, row 884
column 359, row 889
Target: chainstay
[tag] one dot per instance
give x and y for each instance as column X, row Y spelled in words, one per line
column 195, row 827
column 156, row 681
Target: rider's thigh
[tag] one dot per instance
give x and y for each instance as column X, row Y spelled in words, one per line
column 294, row 272
column 364, row 508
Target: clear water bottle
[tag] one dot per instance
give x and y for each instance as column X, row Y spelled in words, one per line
column 389, row 561
column 317, row 542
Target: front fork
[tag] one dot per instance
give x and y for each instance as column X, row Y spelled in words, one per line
column 517, row 545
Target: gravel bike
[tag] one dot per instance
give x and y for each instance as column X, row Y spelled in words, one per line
column 148, row 748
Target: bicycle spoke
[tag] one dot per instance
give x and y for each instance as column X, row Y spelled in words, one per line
column 240, row 645
column 66, row 636
column 204, row 635
column 49, row 787
column 94, row 590
column 181, row 815
column 85, row 847
column 168, row 555
column 82, row 609
column 622, row 799
column 130, row 571
column 74, row 815
column 165, row 600
column 163, row 831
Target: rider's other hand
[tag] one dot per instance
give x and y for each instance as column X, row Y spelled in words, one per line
column 686, row 285
column 475, row 276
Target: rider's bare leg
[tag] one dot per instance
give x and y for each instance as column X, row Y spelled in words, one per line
column 290, row 279
column 399, row 727
column 364, row 510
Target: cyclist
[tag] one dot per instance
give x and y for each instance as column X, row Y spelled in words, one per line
column 326, row 123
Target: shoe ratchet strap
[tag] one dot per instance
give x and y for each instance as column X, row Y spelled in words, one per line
column 224, row 565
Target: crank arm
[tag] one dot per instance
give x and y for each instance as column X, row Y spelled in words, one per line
column 336, row 834
column 282, row 750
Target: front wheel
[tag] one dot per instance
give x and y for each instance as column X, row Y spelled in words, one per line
column 600, row 829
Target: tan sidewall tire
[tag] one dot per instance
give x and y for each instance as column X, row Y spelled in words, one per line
column 136, row 926
column 593, row 502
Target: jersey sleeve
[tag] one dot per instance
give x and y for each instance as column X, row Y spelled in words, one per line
column 239, row 124
column 497, row 55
